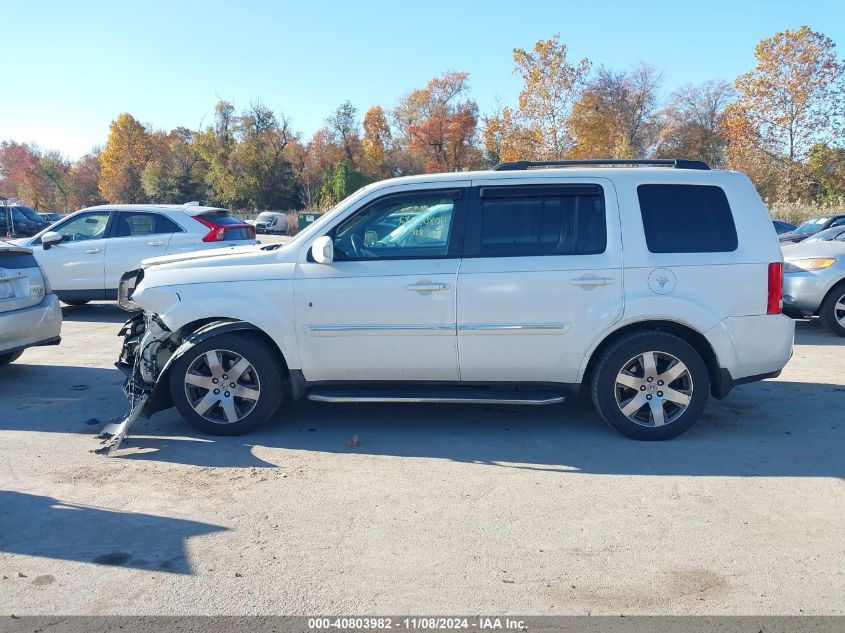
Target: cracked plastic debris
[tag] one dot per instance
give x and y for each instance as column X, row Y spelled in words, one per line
column 113, row 433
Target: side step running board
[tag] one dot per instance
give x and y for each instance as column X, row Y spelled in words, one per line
column 456, row 397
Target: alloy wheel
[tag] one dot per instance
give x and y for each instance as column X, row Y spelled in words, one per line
column 222, row 386
column 653, row 389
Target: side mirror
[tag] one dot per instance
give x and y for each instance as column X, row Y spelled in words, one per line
column 51, row 238
column 323, row 250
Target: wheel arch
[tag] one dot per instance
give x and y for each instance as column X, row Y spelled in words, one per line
column 683, row 331
column 194, row 333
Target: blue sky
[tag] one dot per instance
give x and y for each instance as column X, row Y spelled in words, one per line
column 69, row 67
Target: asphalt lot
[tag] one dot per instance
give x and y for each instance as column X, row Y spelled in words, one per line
column 436, row 509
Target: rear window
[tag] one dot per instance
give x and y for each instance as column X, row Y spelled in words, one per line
column 13, row 260
column 239, row 234
column 220, row 218
column 542, row 220
column 687, row 219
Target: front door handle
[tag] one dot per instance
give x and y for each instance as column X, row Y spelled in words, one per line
column 591, row 281
column 155, row 243
column 427, row 286
column 93, row 251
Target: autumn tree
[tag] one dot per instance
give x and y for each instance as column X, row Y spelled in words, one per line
column 616, row 116
column 85, row 178
column 692, row 122
column 376, row 142
column 129, row 148
column 177, row 173
column 343, row 124
column 551, row 85
column 437, row 125
column 790, row 102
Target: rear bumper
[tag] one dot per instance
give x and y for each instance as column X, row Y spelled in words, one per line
column 751, row 348
column 28, row 327
column 803, row 293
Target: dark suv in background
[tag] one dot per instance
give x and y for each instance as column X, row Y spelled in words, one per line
column 19, row 221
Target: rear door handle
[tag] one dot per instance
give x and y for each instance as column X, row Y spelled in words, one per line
column 427, row 287
column 155, row 243
column 591, row 281
column 93, row 251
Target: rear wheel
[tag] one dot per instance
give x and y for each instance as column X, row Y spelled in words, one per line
column 76, row 302
column 227, row 385
column 832, row 312
column 5, row 359
column 650, row 386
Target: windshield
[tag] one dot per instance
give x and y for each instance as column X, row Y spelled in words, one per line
column 811, row 226
column 827, row 234
column 28, row 213
column 265, row 216
column 434, row 221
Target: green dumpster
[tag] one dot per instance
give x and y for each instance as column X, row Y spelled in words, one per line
column 306, row 217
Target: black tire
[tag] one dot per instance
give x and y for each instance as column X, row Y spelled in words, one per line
column 76, row 302
column 5, row 359
column 829, row 311
column 609, row 397
column 265, row 374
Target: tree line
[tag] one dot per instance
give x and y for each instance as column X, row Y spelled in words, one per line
column 782, row 123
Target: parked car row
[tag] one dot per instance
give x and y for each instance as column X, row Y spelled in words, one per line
column 812, row 227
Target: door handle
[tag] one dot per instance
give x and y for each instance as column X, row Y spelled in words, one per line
column 591, row 281
column 427, row 287
column 93, row 251
column 155, row 243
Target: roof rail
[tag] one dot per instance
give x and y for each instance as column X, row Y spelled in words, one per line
column 677, row 163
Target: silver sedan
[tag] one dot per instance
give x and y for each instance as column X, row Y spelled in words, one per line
column 814, row 282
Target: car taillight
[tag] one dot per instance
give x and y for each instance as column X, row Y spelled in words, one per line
column 775, row 303
column 218, row 231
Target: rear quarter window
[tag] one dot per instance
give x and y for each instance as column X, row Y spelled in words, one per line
column 687, row 219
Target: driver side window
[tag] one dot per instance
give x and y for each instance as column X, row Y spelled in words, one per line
column 404, row 226
column 88, row 226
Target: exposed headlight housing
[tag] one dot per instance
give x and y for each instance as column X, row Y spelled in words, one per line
column 808, row 264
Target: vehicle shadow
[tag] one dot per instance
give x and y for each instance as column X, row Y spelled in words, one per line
column 772, row 428
column 36, row 525
column 98, row 312
column 761, row 430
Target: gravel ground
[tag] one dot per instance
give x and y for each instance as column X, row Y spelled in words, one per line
column 435, row 509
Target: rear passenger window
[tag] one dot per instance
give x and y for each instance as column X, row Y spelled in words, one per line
column 553, row 220
column 687, row 219
column 133, row 224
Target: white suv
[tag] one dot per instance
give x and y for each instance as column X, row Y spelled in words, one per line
column 652, row 287
column 85, row 253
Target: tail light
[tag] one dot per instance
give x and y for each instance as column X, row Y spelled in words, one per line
column 217, row 232
column 775, row 303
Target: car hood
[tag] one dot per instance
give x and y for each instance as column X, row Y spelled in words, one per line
column 813, row 249
column 235, row 264
column 791, row 236
column 220, row 256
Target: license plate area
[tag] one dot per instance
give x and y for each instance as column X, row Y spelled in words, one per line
column 7, row 290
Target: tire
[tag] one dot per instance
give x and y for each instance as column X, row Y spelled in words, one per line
column 5, row 359
column 75, row 302
column 832, row 311
column 625, row 361
column 230, row 415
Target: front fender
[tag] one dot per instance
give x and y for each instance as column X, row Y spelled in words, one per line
column 160, row 399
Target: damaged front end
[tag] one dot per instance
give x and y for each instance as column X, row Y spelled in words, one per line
column 148, row 346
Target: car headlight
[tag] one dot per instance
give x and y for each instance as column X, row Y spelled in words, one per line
column 808, row 263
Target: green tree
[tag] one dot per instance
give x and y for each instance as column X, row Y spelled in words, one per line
column 340, row 183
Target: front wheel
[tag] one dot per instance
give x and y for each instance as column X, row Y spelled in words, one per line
column 227, row 385
column 832, row 311
column 650, row 386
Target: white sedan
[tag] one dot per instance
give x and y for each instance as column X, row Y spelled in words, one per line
column 85, row 254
